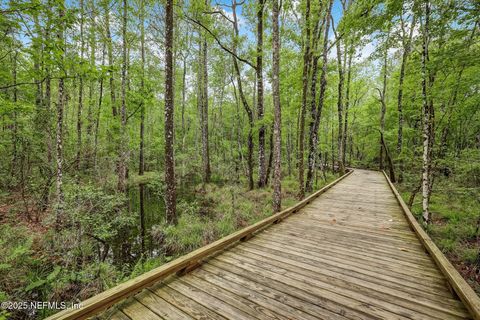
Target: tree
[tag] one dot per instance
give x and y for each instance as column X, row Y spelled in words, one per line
column 305, row 72
column 170, row 182
column 383, row 101
column 260, row 111
column 123, row 155
column 316, row 110
column 80, row 87
column 141, row 161
column 203, row 104
column 243, row 98
column 341, row 80
column 60, row 108
column 277, row 122
column 427, row 110
column 406, row 44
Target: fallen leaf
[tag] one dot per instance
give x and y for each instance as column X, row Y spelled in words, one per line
column 403, row 249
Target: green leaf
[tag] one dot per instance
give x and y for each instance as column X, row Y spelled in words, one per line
column 54, row 274
column 35, row 285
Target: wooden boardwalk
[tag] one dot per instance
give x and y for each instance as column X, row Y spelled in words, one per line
column 349, row 254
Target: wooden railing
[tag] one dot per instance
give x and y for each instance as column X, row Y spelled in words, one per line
column 456, row 282
column 180, row 265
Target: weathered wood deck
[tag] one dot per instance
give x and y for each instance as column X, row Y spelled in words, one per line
column 350, row 254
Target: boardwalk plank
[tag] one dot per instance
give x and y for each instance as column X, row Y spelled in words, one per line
column 349, row 254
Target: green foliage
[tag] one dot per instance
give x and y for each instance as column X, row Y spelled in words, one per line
column 99, row 214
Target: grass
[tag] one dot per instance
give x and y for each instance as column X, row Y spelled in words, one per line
column 455, row 213
column 217, row 211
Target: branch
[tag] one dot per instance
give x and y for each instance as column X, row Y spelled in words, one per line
column 220, row 13
column 21, row 84
column 135, row 111
column 34, row 82
column 7, row 11
column 219, row 42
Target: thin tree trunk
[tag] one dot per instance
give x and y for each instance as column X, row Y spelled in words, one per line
column 170, row 182
column 260, row 109
column 91, row 89
column 347, row 103
column 97, row 121
column 426, row 120
column 59, row 210
column 184, row 92
column 303, row 110
column 123, row 147
column 341, row 76
column 204, row 109
column 141, row 162
column 406, row 51
column 277, row 122
column 270, row 157
column 317, row 108
column 247, row 108
column 80, row 89
column 110, row 59
column 383, row 101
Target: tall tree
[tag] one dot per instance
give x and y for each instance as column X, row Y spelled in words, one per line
column 106, row 9
column 141, row 160
column 260, row 111
column 383, row 101
column 243, row 98
column 60, row 108
column 123, row 156
column 80, row 87
column 427, row 110
column 203, row 99
column 341, row 80
column 277, row 121
column 305, row 72
column 316, row 110
column 406, row 44
column 170, row 182
column 351, row 52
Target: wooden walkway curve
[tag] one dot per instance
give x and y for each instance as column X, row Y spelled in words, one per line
column 352, row 253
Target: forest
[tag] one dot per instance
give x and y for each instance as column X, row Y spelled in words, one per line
column 135, row 131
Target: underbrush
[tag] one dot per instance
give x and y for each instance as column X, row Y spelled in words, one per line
column 455, row 216
column 96, row 248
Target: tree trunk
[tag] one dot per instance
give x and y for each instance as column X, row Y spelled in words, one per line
column 99, row 109
column 426, row 163
column 305, row 72
column 80, row 89
column 316, row 109
column 260, row 111
column 59, row 210
column 170, row 182
column 406, row 51
column 347, row 103
column 270, row 158
column 277, row 122
column 91, row 89
column 383, row 101
column 247, row 108
column 141, row 162
column 389, row 159
column 123, row 147
column 204, row 110
column 341, row 76
column 110, row 59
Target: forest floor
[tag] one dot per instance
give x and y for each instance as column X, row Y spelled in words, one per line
column 455, row 215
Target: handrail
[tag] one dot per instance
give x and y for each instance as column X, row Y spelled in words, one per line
column 111, row 296
column 455, row 280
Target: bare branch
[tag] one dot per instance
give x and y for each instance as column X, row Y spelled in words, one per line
column 197, row 22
